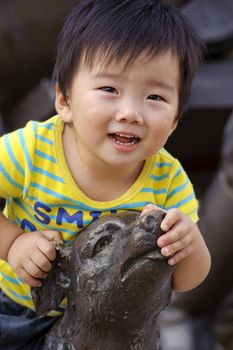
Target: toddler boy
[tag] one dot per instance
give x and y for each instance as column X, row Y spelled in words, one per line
column 123, row 75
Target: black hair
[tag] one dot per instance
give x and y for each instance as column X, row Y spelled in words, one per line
column 122, row 29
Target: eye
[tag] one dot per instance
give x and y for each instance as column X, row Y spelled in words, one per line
column 155, row 98
column 109, row 89
column 102, row 243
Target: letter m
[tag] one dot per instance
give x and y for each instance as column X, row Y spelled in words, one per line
column 64, row 216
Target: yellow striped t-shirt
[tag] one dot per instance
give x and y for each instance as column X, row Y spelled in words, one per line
column 41, row 193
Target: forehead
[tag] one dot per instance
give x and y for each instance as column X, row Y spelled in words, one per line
column 107, row 60
column 147, row 69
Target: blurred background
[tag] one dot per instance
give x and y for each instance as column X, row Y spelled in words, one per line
column 28, row 36
column 202, row 142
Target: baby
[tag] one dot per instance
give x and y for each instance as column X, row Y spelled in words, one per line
column 123, row 76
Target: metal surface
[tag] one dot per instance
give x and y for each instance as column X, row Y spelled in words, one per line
column 116, row 282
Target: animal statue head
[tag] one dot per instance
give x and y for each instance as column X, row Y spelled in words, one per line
column 116, row 282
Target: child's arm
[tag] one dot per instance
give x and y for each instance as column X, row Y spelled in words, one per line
column 184, row 244
column 8, row 233
column 29, row 254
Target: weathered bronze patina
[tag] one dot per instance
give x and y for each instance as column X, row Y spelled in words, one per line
column 116, row 282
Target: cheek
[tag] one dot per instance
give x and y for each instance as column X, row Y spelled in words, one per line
column 94, row 115
column 162, row 128
column 158, row 135
column 162, row 122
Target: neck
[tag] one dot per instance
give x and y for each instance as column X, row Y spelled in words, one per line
column 98, row 180
column 114, row 334
column 107, row 186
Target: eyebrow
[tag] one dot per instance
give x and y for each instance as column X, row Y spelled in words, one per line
column 106, row 75
column 161, row 84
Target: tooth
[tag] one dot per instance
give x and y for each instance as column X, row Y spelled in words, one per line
column 124, row 135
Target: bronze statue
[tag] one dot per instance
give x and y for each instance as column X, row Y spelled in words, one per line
column 116, row 282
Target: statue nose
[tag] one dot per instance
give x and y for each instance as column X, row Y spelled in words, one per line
column 151, row 222
column 148, row 230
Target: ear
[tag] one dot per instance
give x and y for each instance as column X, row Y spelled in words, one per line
column 55, row 286
column 174, row 125
column 62, row 105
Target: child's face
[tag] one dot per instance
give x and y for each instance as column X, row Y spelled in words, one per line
column 122, row 115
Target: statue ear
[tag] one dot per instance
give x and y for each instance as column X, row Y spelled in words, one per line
column 55, row 286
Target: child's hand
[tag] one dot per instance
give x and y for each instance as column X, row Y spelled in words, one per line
column 182, row 235
column 184, row 246
column 31, row 255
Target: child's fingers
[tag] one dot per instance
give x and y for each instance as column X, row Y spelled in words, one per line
column 180, row 255
column 47, row 248
column 172, row 216
column 53, row 236
column 176, row 233
column 176, row 246
column 40, row 260
column 28, row 278
column 47, row 243
column 149, row 208
column 33, row 270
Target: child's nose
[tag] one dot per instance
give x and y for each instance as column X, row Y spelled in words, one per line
column 130, row 114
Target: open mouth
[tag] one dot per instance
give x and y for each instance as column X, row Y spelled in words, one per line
column 124, row 139
column 152, row 256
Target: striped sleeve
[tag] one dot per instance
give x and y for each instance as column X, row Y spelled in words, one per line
column 16, row 161
column 181, row 193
